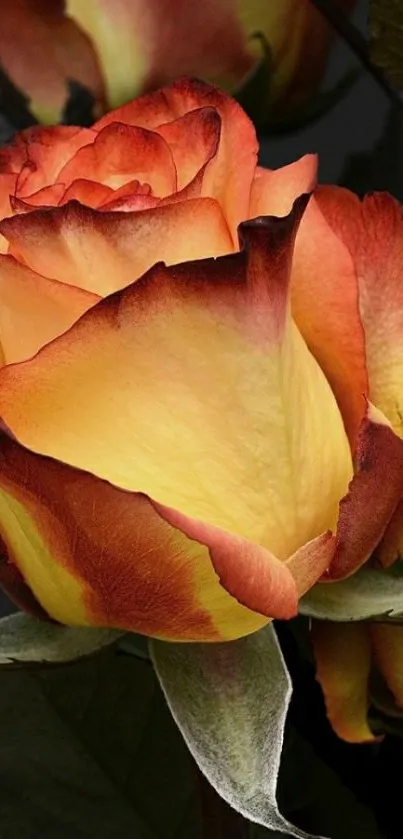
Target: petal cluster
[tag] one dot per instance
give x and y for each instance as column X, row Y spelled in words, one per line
column 188, row 441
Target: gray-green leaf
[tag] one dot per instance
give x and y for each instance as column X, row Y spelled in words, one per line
column 230, row 702
column 25, row 639
column 368, row 594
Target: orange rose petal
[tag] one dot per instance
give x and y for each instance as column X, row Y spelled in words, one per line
column 42, row 152
column 34, row 310
column 13, row 155
column 343, row 663
column 387, row 643
column 132, row 202
column 88, row 192
column 229, row 174
column 204, row 127
column 275, row 190
column 102, row 252
column 7, row 187
column 373, row 496
column 326, row 308
column 122, row 153
column 308, row 563
column 372, row 231
column 48, row 196
column 41, row 50
column 258, row 583
column 132, row 195
column 186, row 386
column 94, row 555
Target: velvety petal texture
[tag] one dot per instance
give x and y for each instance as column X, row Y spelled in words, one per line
column 103, row 252
column 231, row 518
column 275, row 190
column 34, row 310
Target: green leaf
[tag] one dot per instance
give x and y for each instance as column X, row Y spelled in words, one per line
column 90, row 750
column 25, row 639
column 368, row 594
column 386, row 29
column 230, row 702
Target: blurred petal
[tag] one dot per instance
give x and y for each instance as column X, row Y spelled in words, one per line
column 229, row 174
column 121, row 153
column 369, row 593
column 299, row 38
column 34, row 310
column 25, row 639
column 203, row 356
column 275, row 190
column 94, row 555
column 387, row 643
column 41, row 50
column 102, row 252
column 325, row 306
column 343, row 663
column 379, row 453
column 372, row 231
column 141, row 47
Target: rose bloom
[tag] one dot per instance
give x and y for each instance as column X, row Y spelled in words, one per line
column 187, row 341
column 122, row 48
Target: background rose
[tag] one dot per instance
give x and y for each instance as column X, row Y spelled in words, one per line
column 348, row 655
column 121, row 49
column 231, row 527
